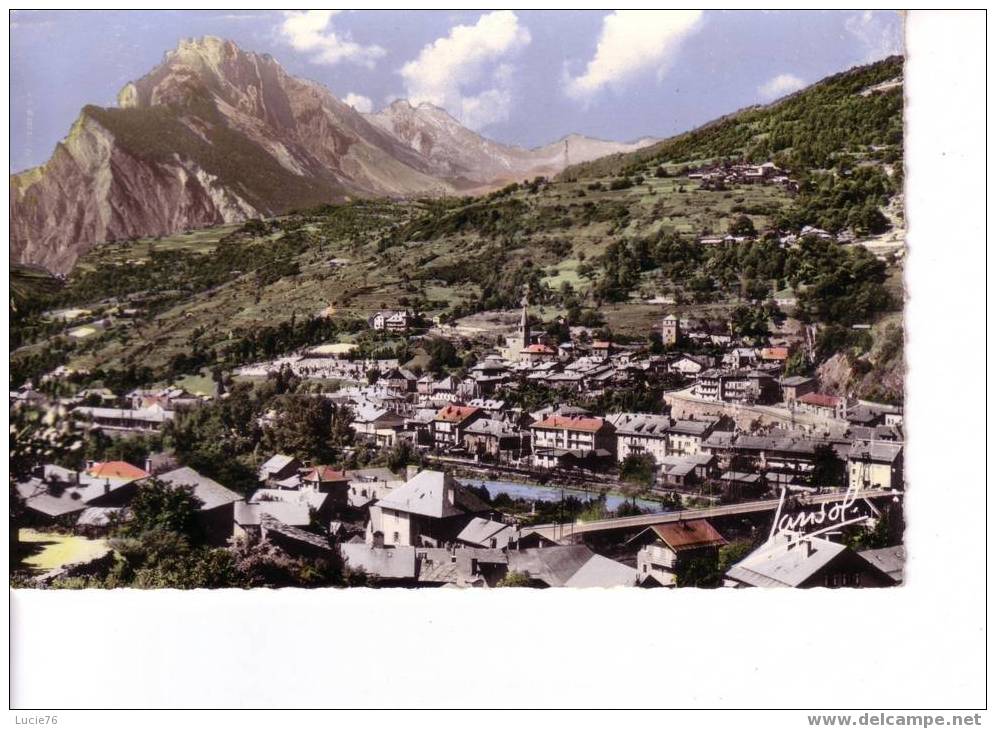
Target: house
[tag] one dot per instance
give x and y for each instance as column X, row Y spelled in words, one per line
column 247, row 517
column 688, row 364
column 398, row 380
column 891, row 560
column 739, row 484
column 366, row 485
column 740, row 357
column 827, row 406
column 790, row 559
column 390, row 321
column 460, row 566
column 659, row 435
column 491, row 407
column 488, row 534
column 143, row 420
column 216, row 513
column 873, row 414
column 327, row 480
column 740, row 386
column 786, row 458
column 641, row 433
column 685, row 471
column 423, row 385
column 295, row 541
column 795, row 386
column 392, row 566
column 686, row 436
column 875, row 465
column 601, row 571
column 601, row 350
column 582, row 438
column 666, row 548
column 117, row 472
column 446, row 390
column 450, row 424
column 536, row 353
column 429, row 510
column 569, row 566
column 53, row 494
column 374, row 423
column 490, row 439
column 279, row 467
column 778, row 355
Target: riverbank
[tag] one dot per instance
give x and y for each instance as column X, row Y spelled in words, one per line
column 511, row 475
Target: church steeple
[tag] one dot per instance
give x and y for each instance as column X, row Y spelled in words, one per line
column 524, row 323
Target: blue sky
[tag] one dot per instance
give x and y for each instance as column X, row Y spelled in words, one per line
column 523, row 77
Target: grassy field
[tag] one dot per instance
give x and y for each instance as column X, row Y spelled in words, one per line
column 50, row 551
column 139, row 251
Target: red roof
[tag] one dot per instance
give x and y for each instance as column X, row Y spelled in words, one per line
column 323, row 474
column 819, row 399
column 693, row 534
column 775, row 353
column 538, row 349
column 564, row 422
column 601, row 344
column 456, row 413
column 116, row 470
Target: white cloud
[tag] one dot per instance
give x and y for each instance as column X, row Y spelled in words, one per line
column 361, row 103
column 633, row 41
column 311, row 31
column 780, row 85
column 463, row 72
column 878, row 36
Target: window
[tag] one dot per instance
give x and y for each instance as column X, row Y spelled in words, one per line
column 397, row 538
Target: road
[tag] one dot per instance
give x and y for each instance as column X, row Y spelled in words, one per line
column 558, row 532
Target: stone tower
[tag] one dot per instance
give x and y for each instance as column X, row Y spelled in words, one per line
column 670, row 330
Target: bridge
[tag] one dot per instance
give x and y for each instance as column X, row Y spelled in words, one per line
column 567, row 531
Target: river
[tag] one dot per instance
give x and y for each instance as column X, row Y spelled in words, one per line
column 553, row 493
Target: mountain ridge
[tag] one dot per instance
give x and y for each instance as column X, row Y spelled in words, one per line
column 215, row 134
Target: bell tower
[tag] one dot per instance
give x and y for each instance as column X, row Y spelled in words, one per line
column 524, row 333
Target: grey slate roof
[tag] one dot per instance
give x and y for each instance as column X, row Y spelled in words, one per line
column 552, row 565
column 389, row 562
column 891, row 560
column 877, row 450
column 779, row 563
column 481, row 531
column 601, row 571
column 427, row 494
column 212, row 493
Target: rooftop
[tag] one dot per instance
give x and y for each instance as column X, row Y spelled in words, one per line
column 456, row 413
column 565, row 422
column 693, row 534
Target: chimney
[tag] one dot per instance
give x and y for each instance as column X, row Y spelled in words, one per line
column 148, row 464
column 107, row 486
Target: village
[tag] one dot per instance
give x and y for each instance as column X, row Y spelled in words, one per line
column 705, row 487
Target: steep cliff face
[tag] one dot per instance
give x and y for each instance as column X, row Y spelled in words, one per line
column 93, row 189
column 212, row 135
